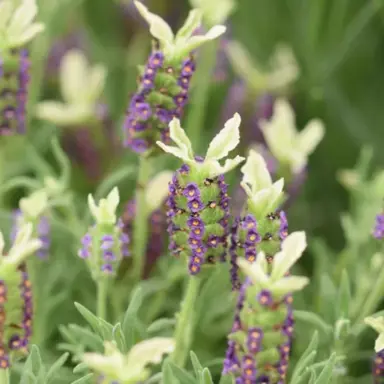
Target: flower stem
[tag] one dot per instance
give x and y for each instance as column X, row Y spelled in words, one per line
column 102, row 295
column 4, row 376
column 199, row 98
column 140, row 225
column 186, row 323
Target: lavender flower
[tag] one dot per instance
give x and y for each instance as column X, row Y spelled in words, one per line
column 164, row 82
column 377, row 323
column 105, row 244
column 17, row 29
column 16, row 305
column 378, row 232
column 14, row 79
column 378, row 367
column 263, row 227
column 260, row 340
column 198, row 202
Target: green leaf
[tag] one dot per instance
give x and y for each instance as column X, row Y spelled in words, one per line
column 343, row 297
column 315, row 320
column 56, row 366
column 181, row 374
column 84, row 380
column 168, row 376
column 89, row 317
column 306, row 358
column 80, row 368
column 207, row 377
column 196, row 364
column 326, row 374
column 106, row 329
column 119, row 338
column 160, row 325
column 130, row 317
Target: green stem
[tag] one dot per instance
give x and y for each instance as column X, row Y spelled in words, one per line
column 140, row 225
column 102, row 295
column 373, row 298
column 4, row 376
column 186, row 323
column 200, row 95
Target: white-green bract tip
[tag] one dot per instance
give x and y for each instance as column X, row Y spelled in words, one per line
column 277, row 282
column 130, row 368
column 223, row 143
column 81, row 86
column 377, row 323
column 214, row 11
column 179, row 45
column 17, row 26
column 105, row 211
column 263, row 195
column 23, row 246
column 287, row 145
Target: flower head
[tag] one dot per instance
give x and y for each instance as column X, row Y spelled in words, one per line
column 263, row 195
column 133, row 367
column 377, row 323
column 105, row 244
column 220, row 146
column 176, row 47
column 260, row 340
column 17, row 25
column 283, row 68
column 164, row 81
column 81, row 87
column 289, row 147
column 16, row 295
column 198, row 201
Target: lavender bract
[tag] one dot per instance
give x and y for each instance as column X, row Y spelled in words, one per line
column 14, row 80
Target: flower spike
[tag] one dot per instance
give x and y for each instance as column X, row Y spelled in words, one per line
column 164, row 81
column 198, row 202
column 260, row 341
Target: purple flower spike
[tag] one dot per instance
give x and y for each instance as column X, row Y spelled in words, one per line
column 13, row 93
column 162, row 95
column 378, row 232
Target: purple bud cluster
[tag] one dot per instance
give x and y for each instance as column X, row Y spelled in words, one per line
column 378, row 368
column 15, row 316
column 14, row 79
column 198, row 213
column 162, row 95
column 157, row 227
column 249, row 237
column 43, row 232
column 112, row 245
column 261, row 336
column 378, row 231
